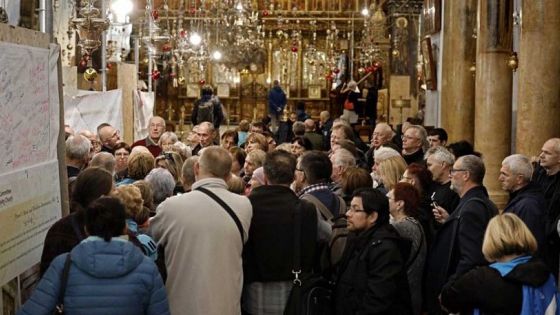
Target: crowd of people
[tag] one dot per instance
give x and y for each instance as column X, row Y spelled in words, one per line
column 210, row 225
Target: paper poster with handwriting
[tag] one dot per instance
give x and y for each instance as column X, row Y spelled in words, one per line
column 29, row 106
column 26, row 217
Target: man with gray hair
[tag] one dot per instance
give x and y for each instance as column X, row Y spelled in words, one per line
column 526, row 199
column 440, row 161
column 202, row 233
column 457, row 246
column 104, row 160
column 381, row 137
column 156, row 127
column 77, row 154
column 341, row 160
column 414, row 144
column 205, row 134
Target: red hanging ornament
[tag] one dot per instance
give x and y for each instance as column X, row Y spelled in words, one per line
column 328, row 77
column 202, row 82
column 83, row 63
column 155, row 14
column 183, row 33
column 166, row 47
column 294, row 49
column 193, row 11
column 265, row 13
column 109, row 66
column 156, row 74
column 336, row 70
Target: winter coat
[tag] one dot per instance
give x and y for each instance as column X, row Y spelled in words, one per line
column 104, row 278
column 371, row 278
column 484, row 288
column 528, row 203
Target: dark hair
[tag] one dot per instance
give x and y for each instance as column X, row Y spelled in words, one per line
column 409, row 194
column 374, row 200
column 231, row 133
column 300, row 105
column 304, row 142
column 101, row 126
column 206, row 90
column 259, row 124
column 348, row 133
column 440, row 132
column 238, row 154
column 317, row 167
column 279, row 167
column 298, row 128
column 91, row 184
column 355, row 178
column 423, row 176
column 122, row 145
column 462, row 148
column 475, row 166
column 106, row 218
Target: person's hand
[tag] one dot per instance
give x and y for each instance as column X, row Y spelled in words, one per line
column 440, row 214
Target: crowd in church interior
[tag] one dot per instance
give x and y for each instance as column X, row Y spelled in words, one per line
column 306, row 157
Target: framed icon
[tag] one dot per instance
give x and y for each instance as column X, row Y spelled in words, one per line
column 314, row 91
column 223, row 90
column 429, row 64
column 193, row 90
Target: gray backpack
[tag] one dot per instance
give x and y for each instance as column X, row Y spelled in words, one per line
column 206, row 111
column 337, row 243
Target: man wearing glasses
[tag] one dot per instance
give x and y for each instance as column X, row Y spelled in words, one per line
column 109, row 136
column 457, row 246
column 414, row 143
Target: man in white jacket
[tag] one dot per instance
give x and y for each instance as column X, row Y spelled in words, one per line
column 202, row 241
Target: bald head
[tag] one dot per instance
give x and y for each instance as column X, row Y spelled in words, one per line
column 309, row 125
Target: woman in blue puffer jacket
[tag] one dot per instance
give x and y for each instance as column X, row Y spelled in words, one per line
column 108, row 274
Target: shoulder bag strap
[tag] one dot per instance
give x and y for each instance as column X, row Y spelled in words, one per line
column 227, row 208
column 341, row 206
column 59, row 308
column 325, row 213
column 296, row 283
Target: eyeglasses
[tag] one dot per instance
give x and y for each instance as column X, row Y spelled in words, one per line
column 454, row 170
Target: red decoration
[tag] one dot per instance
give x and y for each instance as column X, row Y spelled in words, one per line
column 336, row 70
column 156, row 74
column 155, row 14
column 83, row 64
column 183, row 33
column 109, row 66
column 202, row 82
column 265, row 13
column 166, row 47
column 294, row 49
column 193, row 11
column 328, row 77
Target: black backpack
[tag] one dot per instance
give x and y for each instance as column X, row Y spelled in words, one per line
column 206, row 111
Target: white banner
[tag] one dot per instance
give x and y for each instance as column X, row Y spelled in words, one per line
column 26, row 217
column 88, row 110
column 143, row 111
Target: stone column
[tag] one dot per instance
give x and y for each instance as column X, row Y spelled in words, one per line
column 492, row 133
column 459, row 54
column 538, row 108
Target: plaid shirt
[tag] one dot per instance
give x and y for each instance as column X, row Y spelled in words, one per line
column 314, row 187
column 262, row 298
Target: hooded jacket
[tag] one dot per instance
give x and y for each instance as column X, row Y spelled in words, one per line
column 104, row 278
column 484, row 288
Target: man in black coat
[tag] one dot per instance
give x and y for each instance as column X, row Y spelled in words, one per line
column 371, row 278
column 269, row 251
column 457, row 247
column 526, row 199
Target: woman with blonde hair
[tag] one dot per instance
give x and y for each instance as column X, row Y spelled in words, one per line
column 389, row 172
column 256, row 141
column 512, row 279
column 173, row 162
column 167, row 139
